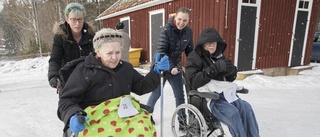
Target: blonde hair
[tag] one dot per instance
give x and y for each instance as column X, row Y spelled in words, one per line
column 76, row 8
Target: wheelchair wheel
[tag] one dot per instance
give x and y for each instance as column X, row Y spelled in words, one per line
column 187, row 121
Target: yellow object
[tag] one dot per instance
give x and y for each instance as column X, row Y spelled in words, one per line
column 134, row 56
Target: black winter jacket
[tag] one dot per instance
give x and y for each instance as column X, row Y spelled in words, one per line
column 200, row 59
column 173, row 42
column 92, row 83
column 65, row 48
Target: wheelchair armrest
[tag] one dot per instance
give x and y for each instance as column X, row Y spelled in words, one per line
column 242, row 90
column 144, row 106
column 210, row 95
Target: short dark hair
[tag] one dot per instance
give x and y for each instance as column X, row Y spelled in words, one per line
column 120, row 25
column 183, row 10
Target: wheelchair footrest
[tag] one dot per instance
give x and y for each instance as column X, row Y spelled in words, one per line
column 242, row 90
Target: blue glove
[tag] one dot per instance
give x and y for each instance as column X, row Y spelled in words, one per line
column 77, row 123
column 161, row 64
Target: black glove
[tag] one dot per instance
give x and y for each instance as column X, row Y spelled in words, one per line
column 54, row 82
column 232, row 72
column 229, row 66
column 216, row 68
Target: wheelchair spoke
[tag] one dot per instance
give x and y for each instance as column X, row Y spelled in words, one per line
column 186, row 122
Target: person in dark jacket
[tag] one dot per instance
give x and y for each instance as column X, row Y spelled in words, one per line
column 175, row 38
column 126, row 45
column 207, row 64
column 72, row 39
column 101, row 79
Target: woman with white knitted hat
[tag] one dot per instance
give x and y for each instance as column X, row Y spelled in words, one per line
column 96, row 99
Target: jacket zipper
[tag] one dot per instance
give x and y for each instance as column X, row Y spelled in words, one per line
column 80, row 50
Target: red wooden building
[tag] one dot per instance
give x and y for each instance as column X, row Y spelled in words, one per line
column 260, row 33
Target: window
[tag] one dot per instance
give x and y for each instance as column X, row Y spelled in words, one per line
column 249, row 1
column 303, row 4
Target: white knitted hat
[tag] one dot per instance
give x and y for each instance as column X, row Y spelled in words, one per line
column 106, row 35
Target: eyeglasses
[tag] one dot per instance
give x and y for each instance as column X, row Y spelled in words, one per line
column 75, row 20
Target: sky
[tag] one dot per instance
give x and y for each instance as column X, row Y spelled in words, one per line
column 285, row 106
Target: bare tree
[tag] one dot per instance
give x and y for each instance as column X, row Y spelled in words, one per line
column 33, row 20
column 22, row 15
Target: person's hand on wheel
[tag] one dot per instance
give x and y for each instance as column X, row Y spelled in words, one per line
column 175, row 71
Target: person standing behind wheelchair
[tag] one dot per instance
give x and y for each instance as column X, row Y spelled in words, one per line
column 95, row 92
column 207, row 63
column 175, row 37
column 72, row 39
column 126, row 45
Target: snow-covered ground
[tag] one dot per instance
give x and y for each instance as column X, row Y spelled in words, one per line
column 285, row 106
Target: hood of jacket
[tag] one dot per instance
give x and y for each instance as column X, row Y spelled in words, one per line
column 210, row 35
column 64, row 29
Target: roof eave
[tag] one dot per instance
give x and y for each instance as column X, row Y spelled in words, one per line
column 135, row 8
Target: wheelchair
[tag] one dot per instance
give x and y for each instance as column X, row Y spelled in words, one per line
column 198, row 121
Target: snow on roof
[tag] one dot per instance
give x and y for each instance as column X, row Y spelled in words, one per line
column 122, row 5
column 126, row 6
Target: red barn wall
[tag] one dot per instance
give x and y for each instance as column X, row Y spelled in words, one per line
column 275, row 27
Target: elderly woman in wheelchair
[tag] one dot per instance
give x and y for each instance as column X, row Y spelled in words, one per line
column 209, row 77
column 96, row 100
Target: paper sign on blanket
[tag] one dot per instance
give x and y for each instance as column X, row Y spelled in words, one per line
column 230, row 94
column 126, row 109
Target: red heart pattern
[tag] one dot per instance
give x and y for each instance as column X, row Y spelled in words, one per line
column 104, row 121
